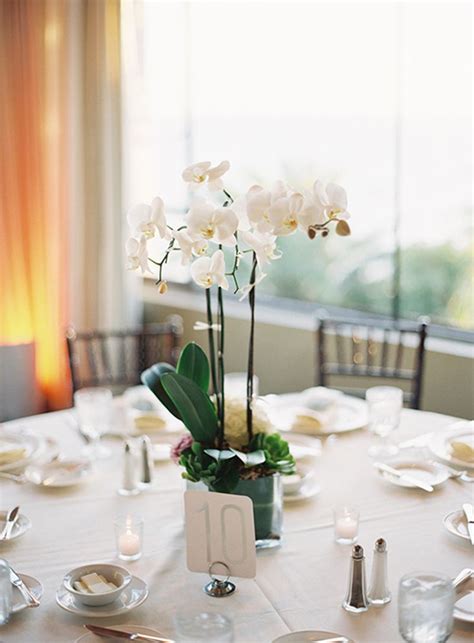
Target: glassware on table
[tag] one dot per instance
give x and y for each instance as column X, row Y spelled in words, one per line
column 235, row 385
column 346, row 525
column 384, row 408
column 129, row 537
column 94, row 408
column 212, row 627
column 5, row 592
column 425, row 607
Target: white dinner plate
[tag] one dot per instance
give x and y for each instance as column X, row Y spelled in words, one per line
column 430, row 472
column 133, row 596
column 309, row 635
column 464, row 608
column 308, row 490
column 59, row 473
column 456, row 523
column 33, row 584
column 131, row 629
column 16, row 438
column 350, row 414
column 439, row 443
column 21, row 525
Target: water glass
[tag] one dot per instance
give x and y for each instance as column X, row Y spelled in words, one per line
column 425, row 607
column 129, row 537
column 5, row 592
column 384, row 407
column 346, row 525
column 94, row 411
column 192, row 627
column 235, row 385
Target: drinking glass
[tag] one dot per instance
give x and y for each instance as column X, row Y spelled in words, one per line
column 346, row 525
column 235, row 385
column 94, row 413
column 384, row 408
column 425, row 607
column 193, row 627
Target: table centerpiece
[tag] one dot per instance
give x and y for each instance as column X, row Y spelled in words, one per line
column 230, row 447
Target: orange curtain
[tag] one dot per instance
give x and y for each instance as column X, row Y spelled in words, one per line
column 34, row 186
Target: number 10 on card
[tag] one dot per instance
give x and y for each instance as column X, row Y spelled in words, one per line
column 220, row 527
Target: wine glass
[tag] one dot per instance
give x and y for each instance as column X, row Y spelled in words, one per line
column 94, row 413
column 384, row 408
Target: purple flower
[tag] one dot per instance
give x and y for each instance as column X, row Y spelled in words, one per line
column 180, row 446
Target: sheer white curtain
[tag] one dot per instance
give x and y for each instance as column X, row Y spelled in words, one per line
column 103, row 293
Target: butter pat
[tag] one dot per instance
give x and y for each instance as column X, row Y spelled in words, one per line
column 96, row 584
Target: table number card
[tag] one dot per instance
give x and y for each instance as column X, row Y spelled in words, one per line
column 220, row 527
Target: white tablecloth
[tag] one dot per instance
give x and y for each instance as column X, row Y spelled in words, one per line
column 298, row 586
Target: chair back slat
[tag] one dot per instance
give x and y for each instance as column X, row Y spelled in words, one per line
column 369, row 339
column 116, row 359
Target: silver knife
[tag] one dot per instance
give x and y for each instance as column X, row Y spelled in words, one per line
column 10, row 520
column 27, row 594
column 108, row 632
column 469, row 513
column 381, row 466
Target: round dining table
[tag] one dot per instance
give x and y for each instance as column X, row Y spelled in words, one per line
column 298, row 586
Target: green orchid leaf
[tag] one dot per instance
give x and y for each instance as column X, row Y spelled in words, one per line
column 152, row 379
column 195, row 407
column 193, row 363
column 218, row 455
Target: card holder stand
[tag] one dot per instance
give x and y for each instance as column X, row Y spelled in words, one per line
column 219, row 588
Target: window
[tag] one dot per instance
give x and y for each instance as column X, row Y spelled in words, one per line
column 376, row 96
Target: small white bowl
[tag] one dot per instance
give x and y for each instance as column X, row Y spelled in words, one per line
column 113, row 573
column 293, row 483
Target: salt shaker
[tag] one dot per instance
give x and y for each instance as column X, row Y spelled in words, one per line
column 356, row 597
column 146, row 464
column 5, row 592
column 379, row 594
column 129, row 482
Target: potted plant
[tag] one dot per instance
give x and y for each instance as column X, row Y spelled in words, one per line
column 230, row 446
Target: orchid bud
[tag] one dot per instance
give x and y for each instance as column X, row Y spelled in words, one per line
column 162, row 287
column 325, row 232
column 342, row 228
column 311, row 231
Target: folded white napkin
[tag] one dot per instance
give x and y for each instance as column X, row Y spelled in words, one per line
column 10, row 452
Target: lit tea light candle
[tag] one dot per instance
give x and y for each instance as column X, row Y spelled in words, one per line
column 346, row 525
column 129, row 536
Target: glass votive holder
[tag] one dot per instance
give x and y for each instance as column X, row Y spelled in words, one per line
column 211, row 627
column 346, row 525
column 129, row 537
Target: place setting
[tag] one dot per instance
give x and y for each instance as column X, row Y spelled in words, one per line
column 13, row 524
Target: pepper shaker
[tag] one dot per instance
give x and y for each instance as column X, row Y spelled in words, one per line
column 129, row 481
column 379, row 594
column 356, row 597
column 146, row 464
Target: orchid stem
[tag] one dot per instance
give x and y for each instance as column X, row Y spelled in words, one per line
column 251, row 350
column 220, row 362
column 212, row 350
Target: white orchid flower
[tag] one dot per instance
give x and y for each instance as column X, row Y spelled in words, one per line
column 333, row 200
column 264, row 246
column 137, row 254
column 259, row 202
column 148, row 220
column 286, row 214
column 207, row 271
column 245, row 290
column 189, row 246
column 206, row 221
column 202, row 172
